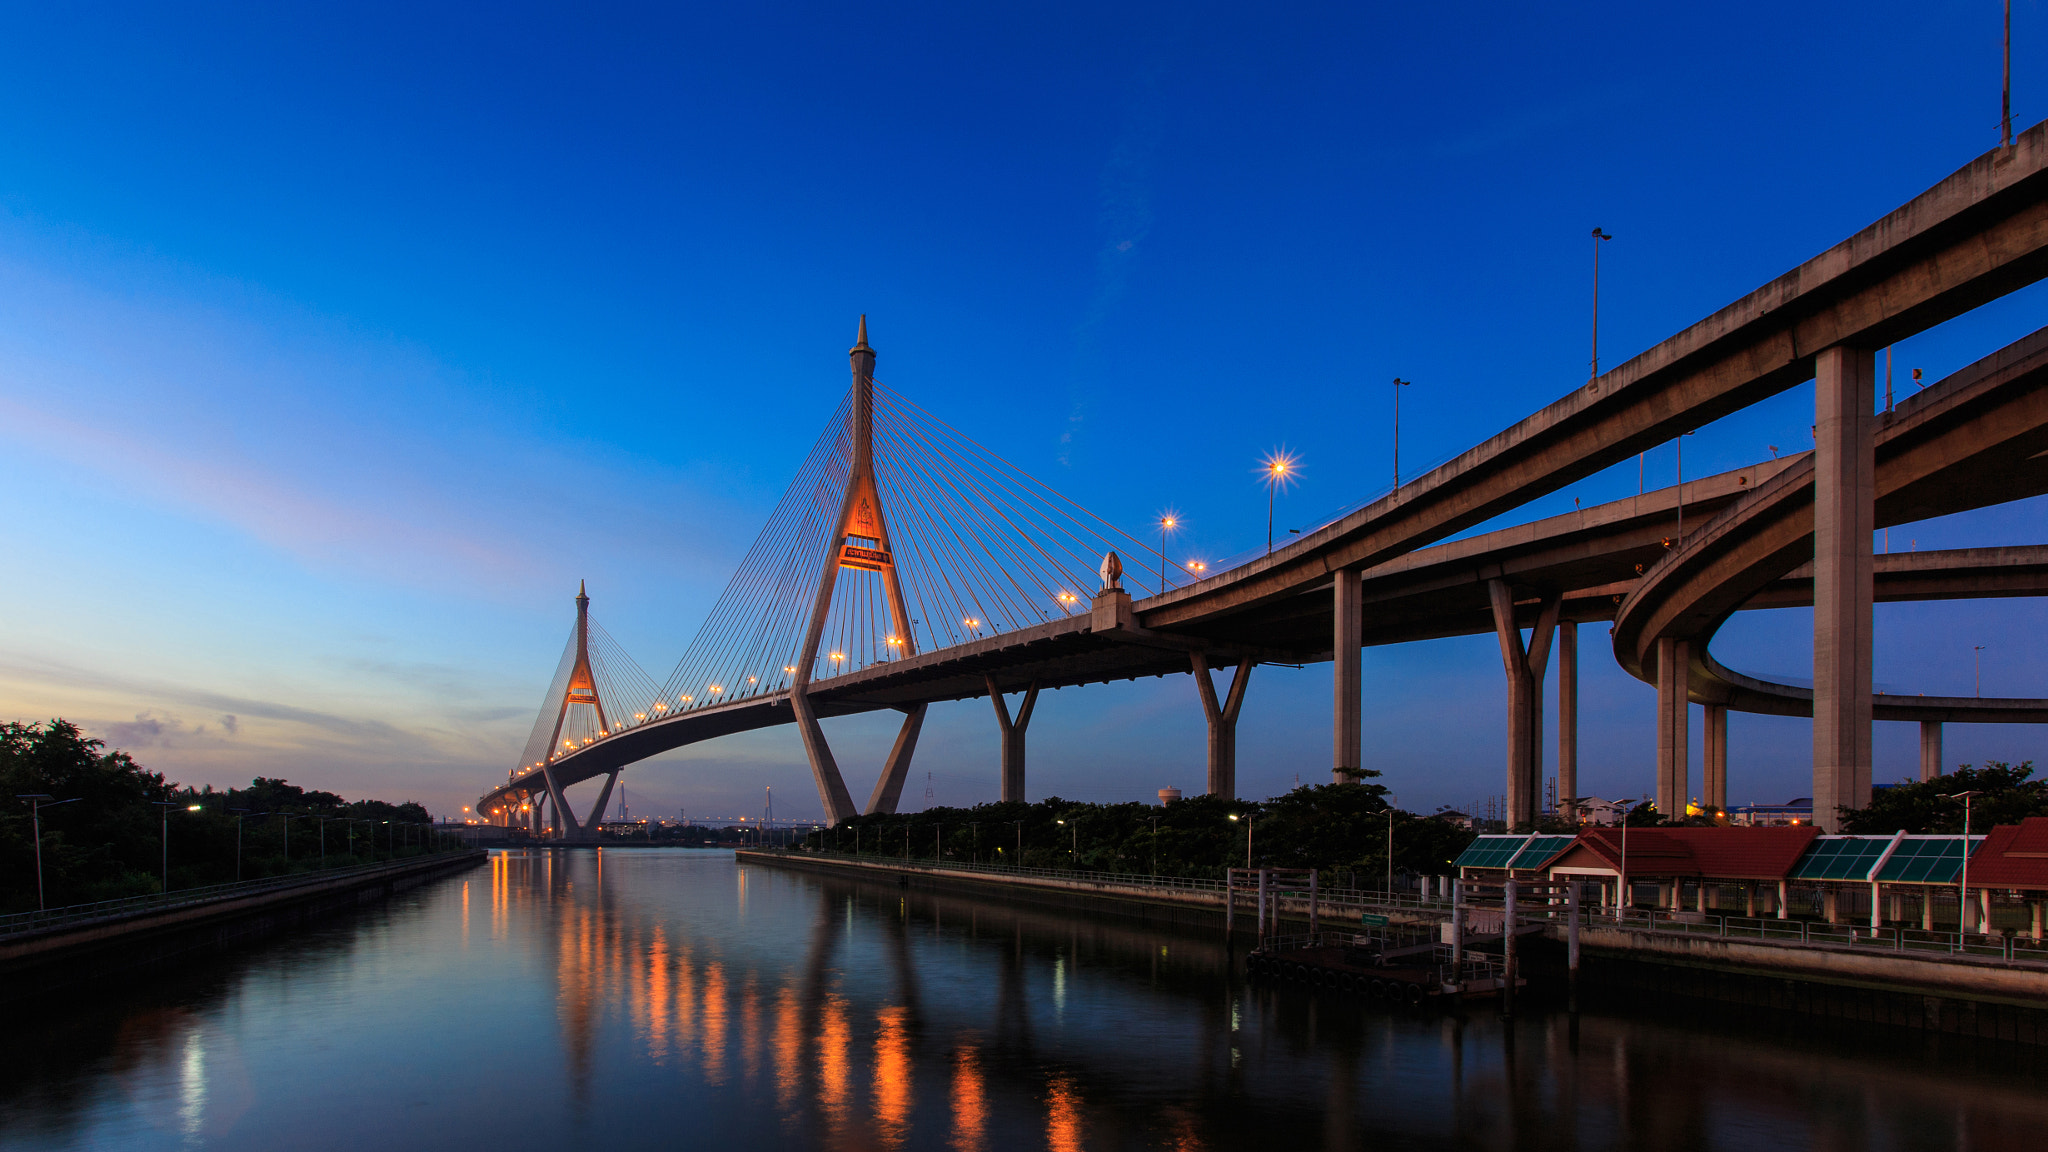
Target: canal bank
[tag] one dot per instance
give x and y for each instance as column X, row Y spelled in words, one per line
column 78, row 946
column 1624, row 966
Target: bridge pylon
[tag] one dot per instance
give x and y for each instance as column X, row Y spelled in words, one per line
column 860, row 540
column 581, row 689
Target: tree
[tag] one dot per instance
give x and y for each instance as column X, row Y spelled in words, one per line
column 103, row 846
column 2009, row 795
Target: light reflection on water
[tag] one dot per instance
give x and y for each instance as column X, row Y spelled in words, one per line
column 660, row 998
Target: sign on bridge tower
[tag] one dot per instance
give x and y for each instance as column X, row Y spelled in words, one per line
column 859, row 540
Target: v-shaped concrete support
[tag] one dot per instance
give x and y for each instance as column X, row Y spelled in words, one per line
column 1013, row 736
column 1222, row 723
column 1525, row 670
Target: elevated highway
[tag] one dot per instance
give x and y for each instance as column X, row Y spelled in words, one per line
column 1383, row 574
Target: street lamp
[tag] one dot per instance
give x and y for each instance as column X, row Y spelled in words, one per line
column 164, row 833
column 1155, row 846
column 1963, row 905
column 239, row 814
column 1168, row 521
column 1599, row 237
column 1279, row 469
column 36, row 802
column 1390, row 853
column 1073, row 854
column 1398, row 385
column 1977, row 656
column 1247, row 837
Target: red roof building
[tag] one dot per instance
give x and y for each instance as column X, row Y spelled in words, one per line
column 1765, row 853
column 2013, row 856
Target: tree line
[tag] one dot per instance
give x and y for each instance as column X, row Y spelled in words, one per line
column 105, row 828
column 1339, row 828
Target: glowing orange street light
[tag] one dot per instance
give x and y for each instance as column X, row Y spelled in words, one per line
column 1279, row 468
column 1196, row 566
column 1168, row 521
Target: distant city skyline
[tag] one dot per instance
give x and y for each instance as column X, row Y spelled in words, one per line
column 336, row 349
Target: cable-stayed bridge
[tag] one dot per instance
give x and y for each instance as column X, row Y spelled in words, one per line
column 907, row 565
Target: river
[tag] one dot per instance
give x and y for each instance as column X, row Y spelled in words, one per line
column 673, row 999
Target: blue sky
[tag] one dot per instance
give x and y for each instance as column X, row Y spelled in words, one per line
column 338, row 344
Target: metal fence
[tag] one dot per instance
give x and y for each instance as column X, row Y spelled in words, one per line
column 18, row 922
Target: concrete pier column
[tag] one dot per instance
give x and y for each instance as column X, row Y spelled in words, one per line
column 1930, row 749
column 1844, row 487
column 1346, row 637
column 1525, row 667
column 1567, row 711
column 1013, row 736
column 1222, row 720
column 1714, row 747
column 1674, row 770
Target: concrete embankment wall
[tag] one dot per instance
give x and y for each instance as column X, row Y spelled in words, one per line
column 62, row 955
column 1964, row 995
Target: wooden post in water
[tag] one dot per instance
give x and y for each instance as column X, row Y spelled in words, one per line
column 1507, row 949
column 1312, row 923
column 1229, row 902
column 1571, row 900
column 1265, row 884
column 1458, row 933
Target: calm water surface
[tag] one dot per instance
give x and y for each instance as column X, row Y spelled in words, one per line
column 667, row 999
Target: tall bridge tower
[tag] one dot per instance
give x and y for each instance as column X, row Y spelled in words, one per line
column 860, row 540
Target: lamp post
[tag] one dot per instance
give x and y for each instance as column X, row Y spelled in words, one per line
column 1155, row 846
column 1247, row 837
column 239, row 814
column 1977, row 660
column 1398, row 385
column 36, row 801
column 164, row 833
column 1279, row 471
column 1168, row 521
column 1963, row 900
column 1390, row 853
column 1074, row 853
column 974, row 842
column 1599, row 238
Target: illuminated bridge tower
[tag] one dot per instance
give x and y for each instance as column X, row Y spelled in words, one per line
column 859, row 540
column 581, row 689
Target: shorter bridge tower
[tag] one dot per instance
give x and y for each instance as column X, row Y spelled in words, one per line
column 581, row 689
